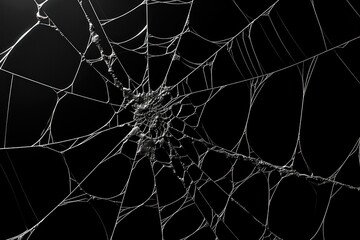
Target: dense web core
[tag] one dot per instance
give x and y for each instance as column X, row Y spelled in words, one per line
column 179, row 119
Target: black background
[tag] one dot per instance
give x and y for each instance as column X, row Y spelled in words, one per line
column 276, row 81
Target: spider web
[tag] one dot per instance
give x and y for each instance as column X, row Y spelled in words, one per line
column 179, row 119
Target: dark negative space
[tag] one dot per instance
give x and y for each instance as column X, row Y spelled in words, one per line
column 179, row 119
